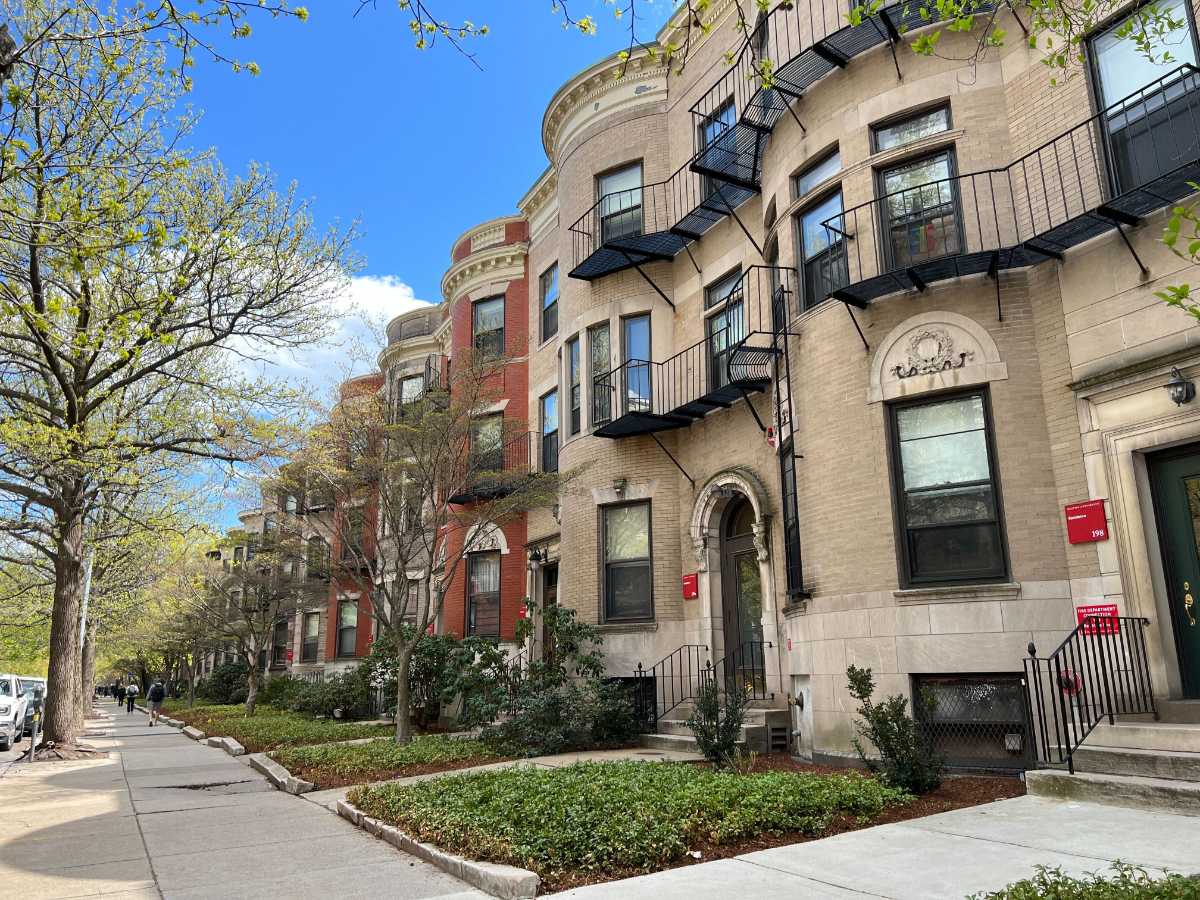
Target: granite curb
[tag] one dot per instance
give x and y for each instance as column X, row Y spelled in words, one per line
column 280, row 777
column 505, row 882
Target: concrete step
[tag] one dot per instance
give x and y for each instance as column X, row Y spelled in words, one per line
column 1174, row 764
column 1180, row 712
column 1178, row 797
column 1146, row 736
column 685, row 743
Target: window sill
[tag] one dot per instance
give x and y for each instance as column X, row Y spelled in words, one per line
column 795, row 608
column 958, row 593
column 627, row 627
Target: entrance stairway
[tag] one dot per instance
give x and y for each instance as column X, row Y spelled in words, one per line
column 764, row 729
column 1134, row 762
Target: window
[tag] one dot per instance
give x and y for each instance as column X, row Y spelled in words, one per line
column 599, row 364
column 791, row 518
column 487, row 326
column 573, row 381
column 911, row 129
column 625, row 534
column 549, row 291
column 239, row 554
column 317, row 558
column 411, row 388
column 291, row 504
column 352, row 540
column 635, row 353
column 549, row 411
column 310, row 640
column 718, row 144
column 279, row 644
column 620, row 194
column 818, row 173
column 412, row 500
column 1150, row 118
column 483, row 593
column 347, row 633
column 947, row 501
column 726, row 328
column 920, row 210
column 269, row 526
column 487, row 443
column 823, row 249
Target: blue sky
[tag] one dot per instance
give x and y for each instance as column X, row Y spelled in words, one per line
column 416, row 145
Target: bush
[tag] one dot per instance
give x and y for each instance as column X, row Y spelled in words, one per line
column 431, row 673
column 347, row 691
column 617, row 818
column 225, row 681
column 907, row 758
column 1125, row 883
column 336, row 765
column 570, row 716
column 717, row 726
column 280, row 691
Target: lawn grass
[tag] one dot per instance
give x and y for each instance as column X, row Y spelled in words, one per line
column 270, row 728
column 593, row 821
column 337, row 765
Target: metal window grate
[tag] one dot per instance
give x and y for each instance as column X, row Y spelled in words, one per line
column 975, row 721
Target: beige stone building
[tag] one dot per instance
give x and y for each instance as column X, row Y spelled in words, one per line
column 831, row 357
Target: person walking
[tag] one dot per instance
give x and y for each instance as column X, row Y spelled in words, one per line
column 154, row 700
column 119, row 693
column 131, row 693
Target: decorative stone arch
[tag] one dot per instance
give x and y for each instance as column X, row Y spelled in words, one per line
column 934, row 351
column 486, row 536
column 710, row 507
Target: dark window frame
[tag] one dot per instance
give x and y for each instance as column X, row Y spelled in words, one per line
column 279, row 650
column 343, row 630
column 574, row 385
column 906, row 116
column 602, row 219
column 880, row 174
column 483, row 341
column 549, row 310
column 646, row 368
column 830, row 153
column 549, row 439
column 498, row 452
column 310, row 649
column 708, row 184
column 648, row 561
column 807, row 301
column 899, row 505
column 471, row 628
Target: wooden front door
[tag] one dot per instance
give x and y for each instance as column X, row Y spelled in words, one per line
column 741, row 596
column 549, row 599
column 1175, row 479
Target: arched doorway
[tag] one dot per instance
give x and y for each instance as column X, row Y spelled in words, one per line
column 741, row 595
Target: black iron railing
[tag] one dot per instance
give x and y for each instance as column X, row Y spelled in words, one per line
column 679, row 676
column 495, row 471
column 1099, row 672
column 736, row 356
column 1134, row 157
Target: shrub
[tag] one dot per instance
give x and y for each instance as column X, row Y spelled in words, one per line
column 347, row 691
column 1125, row 883
column 717, row 725
column 224, row 682
column 336, row 765
column 431, row 673
column 616, row 818
column 280, row 690
column 906, row 758
column 570, row 716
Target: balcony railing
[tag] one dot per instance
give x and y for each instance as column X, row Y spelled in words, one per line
column 497, row 471
column 654, row 221
column 734, row 359
column 1131, row 159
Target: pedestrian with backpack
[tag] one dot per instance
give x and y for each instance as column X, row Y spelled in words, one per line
column 154, row 700
column 131, row 693
column 119, row 693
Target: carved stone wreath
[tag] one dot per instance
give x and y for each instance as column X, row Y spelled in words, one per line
column 931, row 350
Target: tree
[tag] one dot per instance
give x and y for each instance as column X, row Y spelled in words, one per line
column 415, row 487
column 135, row 279
column 242, row 601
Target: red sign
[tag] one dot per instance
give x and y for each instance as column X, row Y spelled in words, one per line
column 1097, row 614
column 789, row 643
column 1086, row 522
column 289, row 656
column 691, row 586
column 522, row 611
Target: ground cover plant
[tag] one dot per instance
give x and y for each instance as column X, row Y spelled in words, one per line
column 1122, row 882
column 593, row 821
column 337, row 765
column 270, row 728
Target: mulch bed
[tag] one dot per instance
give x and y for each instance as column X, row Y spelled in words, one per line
column 955, row 792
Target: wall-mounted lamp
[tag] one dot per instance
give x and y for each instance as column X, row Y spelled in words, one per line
column 619, row 485
column 1180, row 389
column 537, row 556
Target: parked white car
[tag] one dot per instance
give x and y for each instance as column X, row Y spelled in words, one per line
column 12, row 711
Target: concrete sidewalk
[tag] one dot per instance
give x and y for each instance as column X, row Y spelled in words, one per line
column 951, row 856
column 167, row 817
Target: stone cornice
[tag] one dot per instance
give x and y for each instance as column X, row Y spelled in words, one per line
column 541, row 191
column 590, row 84
column 498, row 262
column 418, row 348
column 674, row 31
column 483, row 226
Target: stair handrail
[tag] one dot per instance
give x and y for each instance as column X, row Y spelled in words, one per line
column 681, row 666
column 1101, row 670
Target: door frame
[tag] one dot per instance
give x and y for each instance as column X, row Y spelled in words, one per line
column 731, row 614
column 1174, row 620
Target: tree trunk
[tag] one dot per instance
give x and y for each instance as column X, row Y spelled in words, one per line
column 88, row 672
column 251, row 691
column 404, row 731
column 62, row 676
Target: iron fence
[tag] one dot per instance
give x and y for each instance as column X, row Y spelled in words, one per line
column 975, row 721
column 679, row 676
column 1100, row 671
